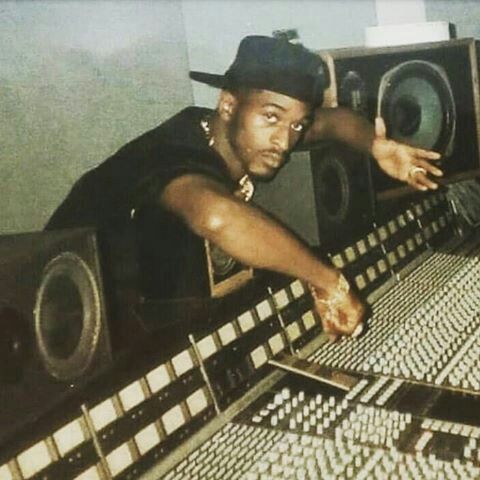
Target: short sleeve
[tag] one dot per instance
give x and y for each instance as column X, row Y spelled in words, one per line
column 176, row 162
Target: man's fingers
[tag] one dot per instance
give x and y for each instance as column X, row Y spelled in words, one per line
column 420, row 153
column 419, row 175
column 332, row 337
column 342, row 320
column 329, row 330
column 347, row 321
column 380, row 128
column 420, row 181
column 430, row 168
column 331, row 326
column 426, row 182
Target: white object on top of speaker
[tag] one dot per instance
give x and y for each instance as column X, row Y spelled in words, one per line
column 406, row 33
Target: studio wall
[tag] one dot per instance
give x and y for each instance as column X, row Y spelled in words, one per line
column 464, row 14
column 214, row 28
column 78, row 79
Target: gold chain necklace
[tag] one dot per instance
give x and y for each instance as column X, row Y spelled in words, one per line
column 246, row 188
column 205, row 124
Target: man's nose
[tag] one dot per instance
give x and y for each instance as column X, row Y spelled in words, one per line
column 281, row 139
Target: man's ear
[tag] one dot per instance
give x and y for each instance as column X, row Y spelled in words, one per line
column 227, row 104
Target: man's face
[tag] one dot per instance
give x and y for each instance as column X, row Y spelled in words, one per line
column 264, row 128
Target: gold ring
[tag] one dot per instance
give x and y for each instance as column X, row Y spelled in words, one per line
column 414, row 170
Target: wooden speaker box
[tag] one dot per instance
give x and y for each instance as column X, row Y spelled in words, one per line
column 54, row 335
column 428, row 95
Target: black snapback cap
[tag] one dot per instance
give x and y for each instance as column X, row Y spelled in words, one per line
column 273, row 64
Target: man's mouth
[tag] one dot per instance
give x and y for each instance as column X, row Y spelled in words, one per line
column 273, row 159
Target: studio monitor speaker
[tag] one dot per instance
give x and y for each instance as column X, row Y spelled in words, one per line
column 323, row 195
column 53, row 331
column 428, row 95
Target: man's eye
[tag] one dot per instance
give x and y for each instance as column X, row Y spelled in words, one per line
column 298, row 127
column 271, row 117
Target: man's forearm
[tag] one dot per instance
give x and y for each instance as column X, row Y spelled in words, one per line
column 256, row 240
column 397, row 160
column 343, row 125
column 243, row 231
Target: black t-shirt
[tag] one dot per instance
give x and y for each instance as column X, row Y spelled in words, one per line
column 120, row 199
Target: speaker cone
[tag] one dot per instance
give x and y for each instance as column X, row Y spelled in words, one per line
column 67, row 317
column 416, row 101
column 333, row 192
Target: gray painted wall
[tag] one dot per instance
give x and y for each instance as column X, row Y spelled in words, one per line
column 215, row 27
column 78, row 80
column 465, row 14
column 320, row 24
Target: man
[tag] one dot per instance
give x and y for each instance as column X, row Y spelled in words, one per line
column 179, row 183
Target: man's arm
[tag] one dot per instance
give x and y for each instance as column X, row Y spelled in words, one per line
column 396, row 159
column 243, row 231
column 343, row 125
column 253, row 238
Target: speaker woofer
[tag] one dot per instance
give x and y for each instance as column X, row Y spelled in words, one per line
column 334, row 189
column 342, row 189
column 416, row 101
column 67, row 317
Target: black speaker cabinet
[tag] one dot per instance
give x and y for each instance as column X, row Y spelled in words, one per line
column 200, row 272
column 324, row 195
column 53, row 330
column 428, row 95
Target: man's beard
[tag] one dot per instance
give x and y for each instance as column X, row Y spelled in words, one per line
column 237, row 149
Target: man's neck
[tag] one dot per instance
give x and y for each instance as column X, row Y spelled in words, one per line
column 223, row 146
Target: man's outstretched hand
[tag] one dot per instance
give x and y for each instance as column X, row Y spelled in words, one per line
column 403, row 162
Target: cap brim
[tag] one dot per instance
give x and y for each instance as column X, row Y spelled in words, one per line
column 217, row 81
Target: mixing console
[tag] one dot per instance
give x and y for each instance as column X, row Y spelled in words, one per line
column 304, row 434
column 399, row 402
column 426, row 328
